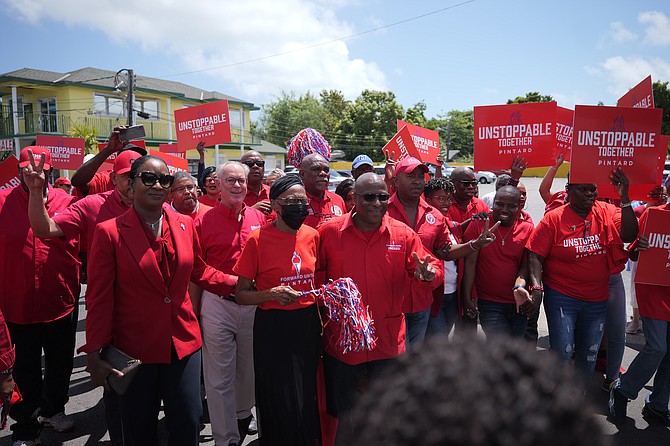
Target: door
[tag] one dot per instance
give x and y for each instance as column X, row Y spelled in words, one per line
column 48, row 117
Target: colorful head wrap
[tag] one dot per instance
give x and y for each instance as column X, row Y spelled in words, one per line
column 305, row 142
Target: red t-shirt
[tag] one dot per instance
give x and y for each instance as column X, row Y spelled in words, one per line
column 331, row 206
column 498, row 263
column 199, row 210
column 40, row 277
column 432, row 230
column 653, row 300
column 578, row 261
column 208, row 201
column 555, row 201
column 273, row 258
column 101, row 182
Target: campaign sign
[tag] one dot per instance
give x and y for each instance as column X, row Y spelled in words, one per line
column 208, row 122
column 426, row 141
column 66, row 153
column 640, row 96
column 606, row 138
column 172, row 149
column 6, row 145
column 653, row 266
column 503, row 132
column 401, row 146
column 9, row 173
column 564, row 130
column 641, row 191
column 174, row 163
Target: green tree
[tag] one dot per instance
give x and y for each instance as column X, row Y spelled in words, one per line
column 334, row 106
column 662, row 100
column 459, row 132
column 417, row 114
column 90, row 135
column 532, row 96
column 287, row 115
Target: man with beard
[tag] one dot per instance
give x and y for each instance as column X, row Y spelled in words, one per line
column 314, row 172
column 184, row 196
column 497, row 270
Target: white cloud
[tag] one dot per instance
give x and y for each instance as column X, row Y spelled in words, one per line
column 568, row 100
column 657, row 27
column 620, row 33
column 210, row 33
column 623, row 73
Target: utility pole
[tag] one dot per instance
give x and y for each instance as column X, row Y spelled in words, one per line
column 131, row 97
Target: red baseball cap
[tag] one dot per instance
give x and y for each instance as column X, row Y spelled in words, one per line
column 62, row 180
column 38, row 153
column 124, row 161
column 407, row 165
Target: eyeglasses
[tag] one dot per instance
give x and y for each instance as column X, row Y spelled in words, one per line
column 230, row 181
column 150, row 178
column 467, row 183
column 283, row 201
column 210, row 180
column 182, row 189
column 252, row 163
column 372, row 197
column 443, row 199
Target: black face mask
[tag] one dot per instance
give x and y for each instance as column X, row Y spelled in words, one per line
column 294, row 214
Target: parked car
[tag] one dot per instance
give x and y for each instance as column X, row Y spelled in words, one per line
column 484, row 176
column 345, row 173
column 335, row 179
column 446, row 170
column 666, row 170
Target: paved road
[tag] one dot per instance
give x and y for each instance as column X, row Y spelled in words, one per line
column 87, row 409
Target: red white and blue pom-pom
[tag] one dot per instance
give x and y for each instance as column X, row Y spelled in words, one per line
column 345, row 308
column 307, row 141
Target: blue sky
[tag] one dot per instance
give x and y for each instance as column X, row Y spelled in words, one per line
column 476, row 53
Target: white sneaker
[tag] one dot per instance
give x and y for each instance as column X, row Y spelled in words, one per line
column 34, row 442
column 633, row 327
column 59, row 422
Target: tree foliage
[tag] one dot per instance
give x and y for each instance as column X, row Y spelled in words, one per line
column 662, row 100
column 90, row 135
column 532, row 96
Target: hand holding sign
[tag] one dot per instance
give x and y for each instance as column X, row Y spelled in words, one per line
column 33, row 174
column 518, row 166
column 620, row 180
column 424, row 271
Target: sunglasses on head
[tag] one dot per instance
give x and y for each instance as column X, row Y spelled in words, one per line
column 372, row 197
column 150, row 178
column 252, row 163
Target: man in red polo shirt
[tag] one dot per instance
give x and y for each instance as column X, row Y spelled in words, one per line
column 314, row 172
column 40, row 290
column 227, row 328
column 258, row 194
column 466, row 205
column 380, row 254
column 184, row 196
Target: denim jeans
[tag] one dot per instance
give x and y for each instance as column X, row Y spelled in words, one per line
column 615, row 326
column 446, row 317
column 575, row 326
column 417, row 324
column 500, row 318
column 653, row 358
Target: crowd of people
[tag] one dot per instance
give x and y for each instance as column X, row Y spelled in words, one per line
column 213, row 283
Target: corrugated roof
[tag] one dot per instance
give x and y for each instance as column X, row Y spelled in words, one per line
column 105, row 78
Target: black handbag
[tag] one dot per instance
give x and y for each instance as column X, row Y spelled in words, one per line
column 123, row 363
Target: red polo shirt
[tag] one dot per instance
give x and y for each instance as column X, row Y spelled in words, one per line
column 223, row 236
column 498, row 264
column 40, row 278
column 331, row 206
column 252, row 197
column 459, row 215
column 431, row 228
column 208, row 201
column 198, row 211
column 381, row 265
column 83, row 216
column 101, row 182
column 578, row 261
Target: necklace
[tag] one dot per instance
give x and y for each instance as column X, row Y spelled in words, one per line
column 155, row 224
column 508, row 232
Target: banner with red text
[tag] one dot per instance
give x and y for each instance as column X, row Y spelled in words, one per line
column 653, row 266
column 564, row 130
column 401, row 146
column 66, row 153
column 640, row 96
column 9, row 173
column 505, row 131
column 172, row 149
column 207, row 122
column 175, row 164
column 606, row 138
column 426, row 141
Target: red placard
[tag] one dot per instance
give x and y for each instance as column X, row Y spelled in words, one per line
column 207, row 122
column 606, row 138
column 172, row 149
column 640, row 96
column 641, row 191
column 401, row 146
column 564, row 130
column 9, row 173
column 66, row 153
column 426, row 141
column 505, row 131
column 653, row 265
column 174, row 163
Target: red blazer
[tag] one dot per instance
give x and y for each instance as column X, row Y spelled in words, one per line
column 7, row 352
column 129, row 304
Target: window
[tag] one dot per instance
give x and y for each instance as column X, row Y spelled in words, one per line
column 108, row 106
column 236, row 118
column 148, row 106
column 19, row 99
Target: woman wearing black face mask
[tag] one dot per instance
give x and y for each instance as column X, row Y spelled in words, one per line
column 275, row 267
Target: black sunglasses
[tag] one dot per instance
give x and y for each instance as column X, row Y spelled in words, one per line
column 467, row 183
column 372, row 197
column 150, row 178
column 252, row 163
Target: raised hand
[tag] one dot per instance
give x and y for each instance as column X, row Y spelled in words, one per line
column 620, row 180
column 33, row 174
column 487, row 236
column 389, row 169
column 424, row 271
column 201, row 148
column 559, row 161
column 518, row 166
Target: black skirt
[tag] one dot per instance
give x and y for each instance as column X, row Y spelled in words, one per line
column 286, row 356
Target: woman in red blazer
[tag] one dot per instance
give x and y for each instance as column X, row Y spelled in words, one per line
column 140, row 266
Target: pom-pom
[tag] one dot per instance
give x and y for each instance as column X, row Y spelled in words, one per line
column 305, row 142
